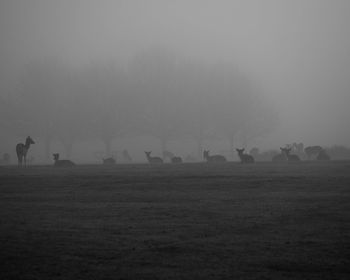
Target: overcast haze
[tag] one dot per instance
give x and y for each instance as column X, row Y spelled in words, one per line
column 297, row 52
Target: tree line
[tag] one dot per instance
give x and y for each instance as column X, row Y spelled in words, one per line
column 156, row 93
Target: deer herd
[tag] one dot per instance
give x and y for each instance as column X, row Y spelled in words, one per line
column 285, row 155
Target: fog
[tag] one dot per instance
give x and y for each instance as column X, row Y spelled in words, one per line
column 99, row 76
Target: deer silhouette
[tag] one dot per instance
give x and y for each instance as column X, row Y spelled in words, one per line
column 22, row 150
column 245, row 158
column 213, row 158
column 290, row 157
column 171, row 157
column 280, row 157
column 153, row 159
column 176, row 159
column 62, row 162
column 167, row 155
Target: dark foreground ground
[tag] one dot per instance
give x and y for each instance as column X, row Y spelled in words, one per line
column 190, row 221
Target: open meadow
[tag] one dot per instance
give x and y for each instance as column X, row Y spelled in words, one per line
column 176, row 221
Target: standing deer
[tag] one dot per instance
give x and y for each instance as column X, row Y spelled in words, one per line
column 213, row 158
column 22, row 150
column 153, row 159
column 62, row 162
column 290, row 157
column 280, row 157
column 245, row 158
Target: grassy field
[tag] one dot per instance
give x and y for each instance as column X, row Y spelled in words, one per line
column 188, row 221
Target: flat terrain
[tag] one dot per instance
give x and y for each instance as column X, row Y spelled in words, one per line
column 188, row 221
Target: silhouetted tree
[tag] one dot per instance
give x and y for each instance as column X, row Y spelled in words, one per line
column 38, row 98
column 110, row 106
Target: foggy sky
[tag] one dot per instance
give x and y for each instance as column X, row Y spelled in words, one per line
column 298, row 51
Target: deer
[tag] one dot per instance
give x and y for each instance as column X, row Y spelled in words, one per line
column 109, row 161
column 280, row 157
column 153, row 159
column 290, row 157
column 167, row 154
column 176, row 159
column 22, row 150
column 172, row 158
column 62, row 162
column 213, row 158
column 245, row 158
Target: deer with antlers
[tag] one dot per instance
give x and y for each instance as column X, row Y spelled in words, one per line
column 153, row 159
column 245, row 158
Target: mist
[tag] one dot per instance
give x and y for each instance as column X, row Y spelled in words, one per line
column 179, row 75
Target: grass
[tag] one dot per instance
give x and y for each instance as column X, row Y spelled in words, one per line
column 188, row 221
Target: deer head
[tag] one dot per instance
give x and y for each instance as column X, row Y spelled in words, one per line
column 29, row 141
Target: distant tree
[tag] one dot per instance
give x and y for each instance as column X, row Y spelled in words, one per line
column 37, row 98
column 231, row 106
column 156, row 73
column 196, row 99
column 338, row 152
column 109, row 103
column 262, row 121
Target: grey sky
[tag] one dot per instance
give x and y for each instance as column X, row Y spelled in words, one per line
column 298, row 50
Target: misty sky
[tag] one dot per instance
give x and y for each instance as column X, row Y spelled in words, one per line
column 298, row 51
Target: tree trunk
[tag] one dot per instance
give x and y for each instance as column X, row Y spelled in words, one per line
column 68, row 147
column 108, row 145
column 199, row 141
column 163, row 144
column 232, row 148
column 47, row 147
column 47, row 141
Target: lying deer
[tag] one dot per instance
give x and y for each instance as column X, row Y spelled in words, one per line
column 213, row 158
column 62, row 162
column 153, row 159
column 293, row 158
column 176, row 159
column 245, row 158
